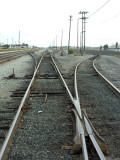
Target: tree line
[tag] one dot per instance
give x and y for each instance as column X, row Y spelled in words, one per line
column 105, row 47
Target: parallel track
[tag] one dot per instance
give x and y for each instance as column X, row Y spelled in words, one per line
column 7, row 56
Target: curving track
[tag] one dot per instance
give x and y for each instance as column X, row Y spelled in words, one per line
column 101, row 105
column 112, row 80
column 48, row 115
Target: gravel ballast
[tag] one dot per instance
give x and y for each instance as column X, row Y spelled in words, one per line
column 46, row 127
column 67, row 64
column 102, row 107
column 21, row 68
column 109, row 66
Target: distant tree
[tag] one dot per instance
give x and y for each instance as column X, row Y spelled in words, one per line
column 105, row 47
column 5, row 46
column 24, row 44
column 116, row 45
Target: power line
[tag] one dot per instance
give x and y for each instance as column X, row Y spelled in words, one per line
column 107, row 20
column 99, row 9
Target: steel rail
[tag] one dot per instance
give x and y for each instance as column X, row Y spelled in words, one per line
column 8, row 58
column 6, row 52
column 113, row 87
column 13, row 55
column 75, row 100
column 9, row 136
column 34, row 60
column 91, row 135
column 98, row 149
column 78, row 115
column 80, row 134
column 99, row 139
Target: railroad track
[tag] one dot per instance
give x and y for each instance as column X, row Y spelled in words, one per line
column 7, row 56
column 101, row 104
column 48, row 94
column 112, row 81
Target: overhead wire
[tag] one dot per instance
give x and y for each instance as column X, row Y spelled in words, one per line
column 113, row 17
column 107, row 20
column 99, row 9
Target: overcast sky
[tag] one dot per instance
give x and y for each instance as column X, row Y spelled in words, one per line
column 40, row 21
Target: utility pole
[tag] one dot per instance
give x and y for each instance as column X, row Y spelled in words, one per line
column 77, row 32
column 80, row 42
column 61, row 38
column 12, row 43
column 56, row 42
column 82, row 33
column 83, row 29
column 19, row 39
column 69, row 34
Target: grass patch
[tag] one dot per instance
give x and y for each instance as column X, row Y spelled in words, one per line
column 72, row 52
column 7, row 49
column 118, row 56
column 77, row 54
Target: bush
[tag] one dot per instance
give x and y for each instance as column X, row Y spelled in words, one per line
column 71, row 51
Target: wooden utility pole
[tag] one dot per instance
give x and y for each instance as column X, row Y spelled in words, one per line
column 61, row 38
column 83, row 39
column 69, row 35
column 56, row 42
column 77, row 33
column 19, row 39
column 84, row 31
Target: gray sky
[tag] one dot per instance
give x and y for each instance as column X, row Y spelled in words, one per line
column 39, row 21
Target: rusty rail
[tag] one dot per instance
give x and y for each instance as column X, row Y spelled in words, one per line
column 80, row 135
column 10, row 57
column 6, row 145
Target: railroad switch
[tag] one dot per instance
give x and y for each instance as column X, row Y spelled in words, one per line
column 12, row 76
